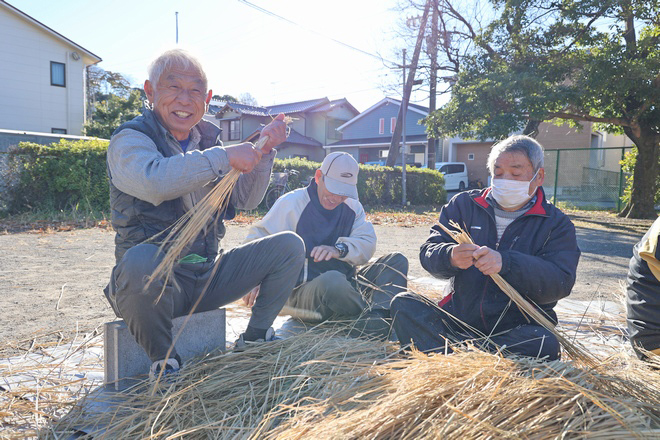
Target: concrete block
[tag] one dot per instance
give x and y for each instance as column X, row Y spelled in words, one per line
column 124, row 359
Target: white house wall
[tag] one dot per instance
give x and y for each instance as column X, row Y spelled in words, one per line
column 29, row 101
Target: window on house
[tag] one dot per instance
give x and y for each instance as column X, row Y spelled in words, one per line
column 57, row 74
column 471, row 156
column 601, row 157
column 392, row 124
column 381, row 126
column 234, row 130
column 333, row 125
column 58, row 130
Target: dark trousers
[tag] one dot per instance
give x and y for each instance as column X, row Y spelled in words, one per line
column 429, row 328
column 274, row 262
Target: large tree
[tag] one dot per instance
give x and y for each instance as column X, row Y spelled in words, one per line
column 521, row 62
column 111, row 101
column 113, row 111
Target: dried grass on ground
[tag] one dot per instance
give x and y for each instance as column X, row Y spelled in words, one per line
column 322, row 384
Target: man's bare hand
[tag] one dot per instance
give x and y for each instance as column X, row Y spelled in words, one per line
column 276, row 132
column 461, row 255
column 324, row 253
column 243, row 156
column 251, row 297
column 488, row 261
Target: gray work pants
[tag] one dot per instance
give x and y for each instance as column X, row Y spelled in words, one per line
column 333, row 295
column 274, row 262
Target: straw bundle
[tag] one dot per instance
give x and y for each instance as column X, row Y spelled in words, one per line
column 574, row 349
column 226, row 396
column 323, row 385
column 196, row 219
column 476, row 395
column 190, row 224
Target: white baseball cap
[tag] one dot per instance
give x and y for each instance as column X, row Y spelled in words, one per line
column 341, row 174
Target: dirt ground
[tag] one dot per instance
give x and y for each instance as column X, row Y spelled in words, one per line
column 52, row 282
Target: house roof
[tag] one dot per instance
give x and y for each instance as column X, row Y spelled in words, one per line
column 297, row 138
column 312, row 105
column 413, row 107
column 293, row 138
column 332, row 104
column 246, row 109
column 375, row 141
column 297, row 107
column 94, row 58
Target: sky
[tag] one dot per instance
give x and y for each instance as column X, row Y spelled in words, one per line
column 244, row 49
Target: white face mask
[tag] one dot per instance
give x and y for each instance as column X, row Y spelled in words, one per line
column 511, row 193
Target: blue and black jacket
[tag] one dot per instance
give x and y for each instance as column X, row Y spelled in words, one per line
column 539, row 259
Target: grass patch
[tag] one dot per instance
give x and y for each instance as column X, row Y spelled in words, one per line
column 54, row 220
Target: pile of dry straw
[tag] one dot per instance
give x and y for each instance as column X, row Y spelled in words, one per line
column 322, row 384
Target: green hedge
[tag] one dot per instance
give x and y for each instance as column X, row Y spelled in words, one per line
column 378, row 185
column 72, row 175
column 63, row 175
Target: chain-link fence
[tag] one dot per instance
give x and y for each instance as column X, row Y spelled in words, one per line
column 585, row 177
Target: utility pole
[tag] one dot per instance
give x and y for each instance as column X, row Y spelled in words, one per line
column 433, row 47
column 403, row 110
column 396, row 136
column 177, row 27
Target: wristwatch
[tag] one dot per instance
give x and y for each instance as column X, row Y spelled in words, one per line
column 342, row 248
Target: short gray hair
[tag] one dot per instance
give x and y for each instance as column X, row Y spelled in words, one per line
column 517, row 144
column 175, row 58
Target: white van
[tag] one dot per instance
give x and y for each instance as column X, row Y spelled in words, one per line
column 455, row 173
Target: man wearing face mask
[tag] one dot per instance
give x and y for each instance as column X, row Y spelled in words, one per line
column 520, row 236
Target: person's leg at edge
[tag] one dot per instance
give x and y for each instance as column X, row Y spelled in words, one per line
column 274, row 262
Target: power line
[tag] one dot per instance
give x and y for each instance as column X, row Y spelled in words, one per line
column 272, row 14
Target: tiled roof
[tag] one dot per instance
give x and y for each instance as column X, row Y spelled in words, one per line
column 377, row 140
column 248, row 109
column 332, row 104
column 312, row 105
column 297, row 107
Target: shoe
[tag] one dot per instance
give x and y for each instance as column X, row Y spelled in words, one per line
column 172, row 367
column 241, row 344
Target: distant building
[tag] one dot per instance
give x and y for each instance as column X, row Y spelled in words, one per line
column 315, row 124
column 42, row 76
column 368, row 135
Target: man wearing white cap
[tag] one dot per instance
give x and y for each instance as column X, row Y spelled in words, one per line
column 331, row 221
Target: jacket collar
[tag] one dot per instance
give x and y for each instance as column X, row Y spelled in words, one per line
column 539, row 207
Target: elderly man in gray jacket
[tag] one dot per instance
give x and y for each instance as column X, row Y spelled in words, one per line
column 160, row 165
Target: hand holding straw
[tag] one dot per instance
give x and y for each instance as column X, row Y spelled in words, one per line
column 576, row 351
column 189, row 225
